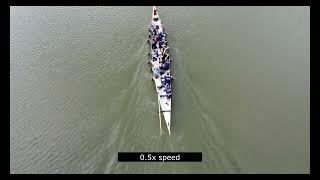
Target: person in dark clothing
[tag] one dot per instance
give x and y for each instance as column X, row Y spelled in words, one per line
column 154, row 46
column 163, row 58
column 167, row 80
column 165, row 66
column 160, row 35
column 168, row 91
column 161, row 71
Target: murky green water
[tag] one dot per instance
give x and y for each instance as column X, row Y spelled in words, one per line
column 80, row 89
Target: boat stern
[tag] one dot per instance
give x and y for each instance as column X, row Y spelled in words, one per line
column 167, row 118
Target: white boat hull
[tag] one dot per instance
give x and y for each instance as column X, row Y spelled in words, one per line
column 164, row 102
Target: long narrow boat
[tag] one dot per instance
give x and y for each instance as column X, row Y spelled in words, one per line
column 162, row 52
